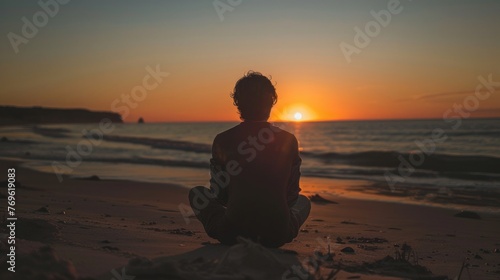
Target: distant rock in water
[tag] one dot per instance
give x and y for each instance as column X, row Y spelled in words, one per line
column 141, row 120
column 10, row 115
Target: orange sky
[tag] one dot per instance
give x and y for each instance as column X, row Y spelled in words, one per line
column 427, row 59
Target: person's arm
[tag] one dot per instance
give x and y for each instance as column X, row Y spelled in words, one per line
column 294, row 179
column 217, row 185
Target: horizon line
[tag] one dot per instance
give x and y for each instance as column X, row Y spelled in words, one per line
column 236, row 121
column 310, row 121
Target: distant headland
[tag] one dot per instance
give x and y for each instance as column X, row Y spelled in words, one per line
column 13, row 115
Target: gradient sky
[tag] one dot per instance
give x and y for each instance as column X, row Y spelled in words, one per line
column 91, row 52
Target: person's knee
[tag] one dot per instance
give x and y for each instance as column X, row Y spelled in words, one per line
column 197, row 198
column 301, row 209
column 304, row 202
column 303, row 198
column 193, row 191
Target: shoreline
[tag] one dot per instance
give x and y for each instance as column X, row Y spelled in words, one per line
column 447, row 198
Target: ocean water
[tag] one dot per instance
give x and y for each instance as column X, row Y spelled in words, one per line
column 399, row 154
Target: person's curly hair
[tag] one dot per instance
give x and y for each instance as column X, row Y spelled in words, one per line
column 254, row 95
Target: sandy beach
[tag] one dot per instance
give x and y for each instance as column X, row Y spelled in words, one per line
column 320, row 139
column 100, row 225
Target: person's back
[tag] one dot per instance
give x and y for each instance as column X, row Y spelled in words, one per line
column 255, row 174
column 257, row 198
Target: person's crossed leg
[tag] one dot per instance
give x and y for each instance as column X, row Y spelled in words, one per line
column 212, row 214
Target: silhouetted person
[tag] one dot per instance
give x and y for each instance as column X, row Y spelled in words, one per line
column 255, row 172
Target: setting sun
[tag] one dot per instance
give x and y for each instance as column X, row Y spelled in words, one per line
column 297, row 116
column 294, row 112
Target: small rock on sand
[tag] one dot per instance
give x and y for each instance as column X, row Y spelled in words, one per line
column 181, row 231
column 468, row 215
column 348, row 250
column 43, row 209
column 111, row 248
column 92, row 178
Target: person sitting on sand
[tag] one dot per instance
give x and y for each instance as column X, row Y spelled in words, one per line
column 255, row 172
